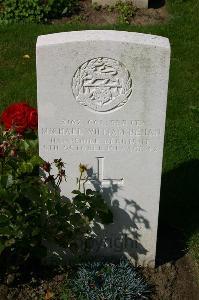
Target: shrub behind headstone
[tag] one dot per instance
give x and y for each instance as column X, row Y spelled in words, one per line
column 36, row 10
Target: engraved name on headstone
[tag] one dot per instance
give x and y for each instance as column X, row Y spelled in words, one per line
column 102, row 102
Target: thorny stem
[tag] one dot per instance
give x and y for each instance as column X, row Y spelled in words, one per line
column 2, row 163
column 83, row 184
column 80, row 178
column 86, row 179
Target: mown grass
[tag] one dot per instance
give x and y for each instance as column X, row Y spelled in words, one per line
column 180, row 187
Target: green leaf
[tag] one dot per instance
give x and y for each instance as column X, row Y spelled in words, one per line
column 10, row 242
column 33, row 144
column 106, row 217
column 76, row 192
column 30, row 135
column 90, row 192
column 75, row 219
column 90, row 213
column 80, row 197
column 9, row 181
column 8, row 196
column 3, row 180
column 6, row 231
column 2, row 247
column 25, row 145
column 36, row 160
column 6, row 180
column 39, row 251
column 26, row 168
column 35, row 231
column 4, row 220
column 65, row 10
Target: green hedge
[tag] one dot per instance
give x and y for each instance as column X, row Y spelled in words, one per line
column 36, row 11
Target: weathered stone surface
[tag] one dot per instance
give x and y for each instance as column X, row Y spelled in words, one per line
column 102, row 102
column 137, row 3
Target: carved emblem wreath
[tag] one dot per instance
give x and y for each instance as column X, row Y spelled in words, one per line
column 102, row 84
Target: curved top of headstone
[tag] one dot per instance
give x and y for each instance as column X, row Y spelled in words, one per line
column 109, row 35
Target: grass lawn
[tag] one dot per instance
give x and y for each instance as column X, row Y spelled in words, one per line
column 180, row 188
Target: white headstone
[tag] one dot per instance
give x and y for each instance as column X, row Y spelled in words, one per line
column 137, row 3
column 102, row 102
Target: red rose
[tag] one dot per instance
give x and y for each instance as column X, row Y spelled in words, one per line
column 19, row 116
column 33, row 119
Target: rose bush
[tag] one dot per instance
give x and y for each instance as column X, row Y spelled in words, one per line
column 20, row 117
column 31, row 207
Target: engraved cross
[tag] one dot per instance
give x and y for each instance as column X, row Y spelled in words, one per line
column 100, row 174
column 104, row 182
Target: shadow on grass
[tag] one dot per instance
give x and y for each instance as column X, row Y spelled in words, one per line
column 156, row 3
column 179, row 211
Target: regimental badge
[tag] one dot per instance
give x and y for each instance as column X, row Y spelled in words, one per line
column 102, row 84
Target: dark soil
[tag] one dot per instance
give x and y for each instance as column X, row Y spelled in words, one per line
column 174, row 281
column 171, row 281
column 103, row 16
column 174, row 278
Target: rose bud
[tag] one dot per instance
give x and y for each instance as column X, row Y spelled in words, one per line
column 62, row 173
column 13, row 152
column 19, row 136
column 13, row 138
column 5, row 144
column 83, row 168
column 46, row 167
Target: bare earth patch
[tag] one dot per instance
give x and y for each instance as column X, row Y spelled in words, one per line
column 172, row 281
column 103, row 16
column 150, row 16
